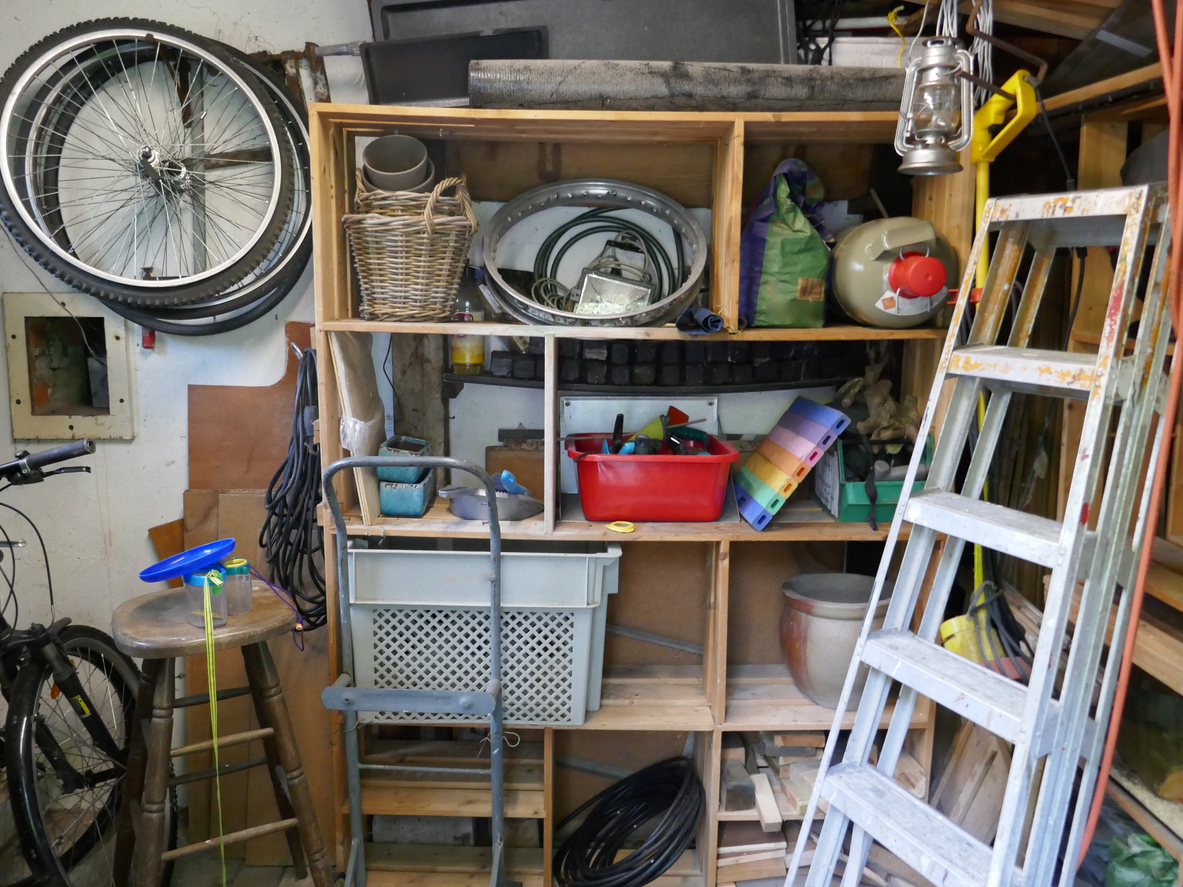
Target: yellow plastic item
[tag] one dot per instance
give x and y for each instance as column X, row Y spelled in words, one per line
column 959, row 636
column 984, row 146
column 621, row 526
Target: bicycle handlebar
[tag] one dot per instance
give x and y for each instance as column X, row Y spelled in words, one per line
column 32, row 463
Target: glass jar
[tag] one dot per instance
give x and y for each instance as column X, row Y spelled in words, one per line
column 238, row 586
column 195, row 597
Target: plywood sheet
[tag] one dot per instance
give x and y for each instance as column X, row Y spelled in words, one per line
column 243, row 455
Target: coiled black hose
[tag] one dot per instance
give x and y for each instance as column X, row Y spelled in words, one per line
column 670, row 789
column 293, row 542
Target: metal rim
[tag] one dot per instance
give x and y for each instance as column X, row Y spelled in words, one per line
column 598, row 192
column 141, row 37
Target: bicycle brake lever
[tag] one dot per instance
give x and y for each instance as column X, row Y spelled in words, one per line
column 72, row 469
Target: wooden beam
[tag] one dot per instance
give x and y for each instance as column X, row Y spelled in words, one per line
column 1147, row 76
column 1075, row 20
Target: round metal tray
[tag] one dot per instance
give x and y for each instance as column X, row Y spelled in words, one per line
column 597, row 193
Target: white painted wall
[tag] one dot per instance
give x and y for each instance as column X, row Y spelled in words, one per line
column 96, row 526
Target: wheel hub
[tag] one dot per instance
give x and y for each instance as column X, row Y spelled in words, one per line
column 166, row 175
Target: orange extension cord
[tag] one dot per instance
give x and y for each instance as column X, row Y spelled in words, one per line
column 1172, row 78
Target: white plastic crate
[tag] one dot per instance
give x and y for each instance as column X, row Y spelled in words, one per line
column 420, row 618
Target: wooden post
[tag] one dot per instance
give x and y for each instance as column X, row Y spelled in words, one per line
column 1102, row 152
column 726, row 215
column 159, row 741
column 714, row 663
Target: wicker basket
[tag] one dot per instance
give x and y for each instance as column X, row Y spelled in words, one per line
column 409, row 250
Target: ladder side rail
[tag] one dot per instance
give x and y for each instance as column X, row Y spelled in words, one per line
column 1147, row 383
column 1063, row 578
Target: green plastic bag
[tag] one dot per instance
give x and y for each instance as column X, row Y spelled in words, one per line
column 783, row 257
column 1135, row 860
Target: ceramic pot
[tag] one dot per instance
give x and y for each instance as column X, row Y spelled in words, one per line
column 819, row 628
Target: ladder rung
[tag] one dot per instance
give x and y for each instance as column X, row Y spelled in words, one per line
column 1027, row 369
column 1025, row 536
column 246, row 834
column 223, row 741
column 967, row 688
column 916, row 833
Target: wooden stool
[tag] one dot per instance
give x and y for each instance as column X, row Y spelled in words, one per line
column 153, row 627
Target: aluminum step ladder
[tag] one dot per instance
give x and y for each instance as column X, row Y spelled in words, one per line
column 356, row 703
column 1050, row 728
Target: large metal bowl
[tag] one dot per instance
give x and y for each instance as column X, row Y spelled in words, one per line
column 819, row 628
column 595, row 193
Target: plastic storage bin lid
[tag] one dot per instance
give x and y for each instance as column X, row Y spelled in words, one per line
column 191, row 561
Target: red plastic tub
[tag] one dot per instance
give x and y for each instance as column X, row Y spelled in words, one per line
column 651, row 488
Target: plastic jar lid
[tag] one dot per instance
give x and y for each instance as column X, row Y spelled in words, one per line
column 237, row 566
column 198, row 579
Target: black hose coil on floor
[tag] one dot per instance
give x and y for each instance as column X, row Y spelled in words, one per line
column 669, row 789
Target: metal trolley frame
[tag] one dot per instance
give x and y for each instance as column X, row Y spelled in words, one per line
column 344, row 697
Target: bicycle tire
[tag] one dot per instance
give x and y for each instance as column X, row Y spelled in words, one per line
column 15, row 207
column 58, row 866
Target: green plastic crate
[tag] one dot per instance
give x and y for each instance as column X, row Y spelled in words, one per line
column 847, row 499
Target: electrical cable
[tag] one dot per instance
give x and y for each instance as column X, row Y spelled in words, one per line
column 44, row 552
column 668, row 791
column 1069, row 178
column 290, row 535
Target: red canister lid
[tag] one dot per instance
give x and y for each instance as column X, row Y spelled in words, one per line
column 916, row 276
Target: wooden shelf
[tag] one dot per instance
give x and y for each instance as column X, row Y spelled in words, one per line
column 764, row 697
column 424, row 865
column 669, row 331
column 801, row 521
column 652, row 697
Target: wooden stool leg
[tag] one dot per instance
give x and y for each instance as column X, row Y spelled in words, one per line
column 264, row 681
column 276, row 771
column 159, row 741
column 133, row 782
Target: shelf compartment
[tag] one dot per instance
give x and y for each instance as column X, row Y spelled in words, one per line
column 441, row 794
column 764, row 697
column 669, row 331
column 426, row 865
column 651, row 697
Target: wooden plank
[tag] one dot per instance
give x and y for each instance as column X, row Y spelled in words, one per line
column 725, row 221
column 548, row 792
column 1076, row 20
column 1102, row 88
column 376, row 797
column 167, row 540
column 550, row 437
column 715, row 658
column 766, row 809
column 737, row 788
column 361, row 406
column 243, row 455
column 1158, row 648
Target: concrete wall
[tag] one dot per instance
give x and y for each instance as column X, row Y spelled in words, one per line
column 96, row 526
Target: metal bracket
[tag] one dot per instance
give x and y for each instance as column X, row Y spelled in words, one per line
column 439, row 702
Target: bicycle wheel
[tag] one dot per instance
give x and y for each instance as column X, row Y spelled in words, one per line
column 258, row 294
column 141, row 163
column 67, row 831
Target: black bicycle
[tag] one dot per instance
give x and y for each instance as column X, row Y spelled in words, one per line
column 71, row 700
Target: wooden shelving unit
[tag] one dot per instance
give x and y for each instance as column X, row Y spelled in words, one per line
column 716, row 585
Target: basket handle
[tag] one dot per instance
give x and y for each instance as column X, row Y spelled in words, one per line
column 457, row 182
